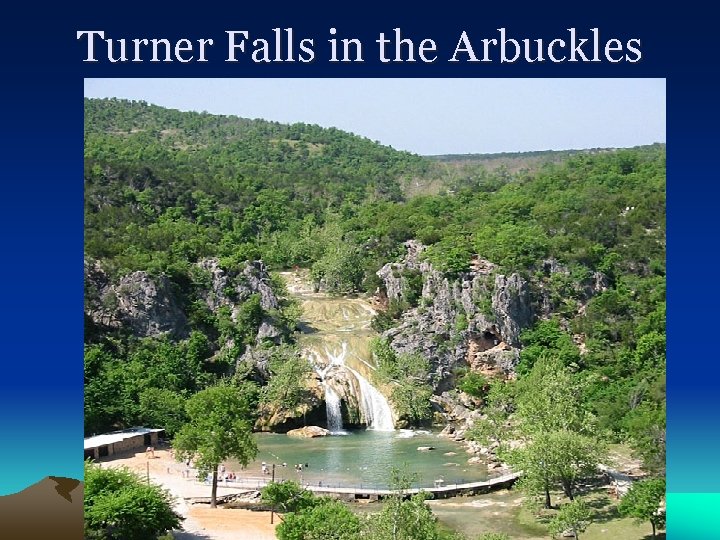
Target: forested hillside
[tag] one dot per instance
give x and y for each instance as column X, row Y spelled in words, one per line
column 204, row 184
column 182, row 200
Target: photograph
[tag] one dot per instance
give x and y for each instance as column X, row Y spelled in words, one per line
column 378, row 308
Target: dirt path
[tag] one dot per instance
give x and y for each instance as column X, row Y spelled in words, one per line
column 201, row 522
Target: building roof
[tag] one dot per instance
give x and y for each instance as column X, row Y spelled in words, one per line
column 117, row 436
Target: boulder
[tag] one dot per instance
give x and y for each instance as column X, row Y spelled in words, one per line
column 447, row 431
column 309, row 432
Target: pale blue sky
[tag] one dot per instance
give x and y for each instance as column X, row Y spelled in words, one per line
column 430, row 116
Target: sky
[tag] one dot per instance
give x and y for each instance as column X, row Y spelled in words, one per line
column 430, row 116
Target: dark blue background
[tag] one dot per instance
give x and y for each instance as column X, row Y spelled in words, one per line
column 41, row 271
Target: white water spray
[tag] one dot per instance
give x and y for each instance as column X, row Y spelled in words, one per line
column 374, row 407
column 332, row 407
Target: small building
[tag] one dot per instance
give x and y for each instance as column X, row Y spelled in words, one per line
column 118, row 442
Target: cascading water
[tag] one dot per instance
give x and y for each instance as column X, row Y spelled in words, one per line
column 374, row 406
column 334, row 412
column 337, row 346
column 376, row 409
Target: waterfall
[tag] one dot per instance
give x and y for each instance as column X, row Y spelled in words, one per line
column 332, row 407
column 336, row 342
column 374, row 407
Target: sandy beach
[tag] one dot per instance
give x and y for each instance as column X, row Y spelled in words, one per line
column 201, row 521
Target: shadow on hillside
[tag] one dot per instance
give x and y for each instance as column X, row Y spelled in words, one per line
column 603, row 510
column 305, row 328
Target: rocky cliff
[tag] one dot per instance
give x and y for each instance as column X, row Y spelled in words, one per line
column 471, row 320
column 147, row 305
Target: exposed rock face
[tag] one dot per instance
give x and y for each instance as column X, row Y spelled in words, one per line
column 214, row 295
column 144, row 304
column 456, row 412
column 257, row 280
column 152, row 306
column 511, row 305
column 227, row 290
column 314, row 408
column 473, row 320
column 581, row 290
column 148, row 306
column 499, row 361
column 283, row 421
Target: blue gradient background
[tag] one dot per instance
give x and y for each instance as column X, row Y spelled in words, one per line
column 42, row 196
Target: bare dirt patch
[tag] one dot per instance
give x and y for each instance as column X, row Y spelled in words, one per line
column 226, row 524
column 201, row 521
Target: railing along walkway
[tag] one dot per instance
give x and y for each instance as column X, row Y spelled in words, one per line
column 366, row 491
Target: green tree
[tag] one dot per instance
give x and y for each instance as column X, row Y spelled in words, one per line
column 287, row 390
column 326, row 520
column 408, row 375
column 642, row 502
column 411, row 401
column 493, row 427
column 573, row 516
column 219, row 428
column 160, row 407
column 451, row 255
column 537, row 479
column 646, row 427
column 288, row 496
column 402, row 518
column 549, row 399
column 572, row 457
column 308, row 517
column 340, row 269
column 248, row 318
column 547, row 337
column 560, row 447
column 475, row 384
column 120, row 505
column 103, row 389
column 650, row 351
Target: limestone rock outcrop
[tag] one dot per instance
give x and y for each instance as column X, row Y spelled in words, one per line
column 152, row 305
column 473, row 319
column 147, row 305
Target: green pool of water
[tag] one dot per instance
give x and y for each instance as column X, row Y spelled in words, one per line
column 363, row 458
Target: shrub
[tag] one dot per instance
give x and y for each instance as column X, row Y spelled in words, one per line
column 118, row 504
